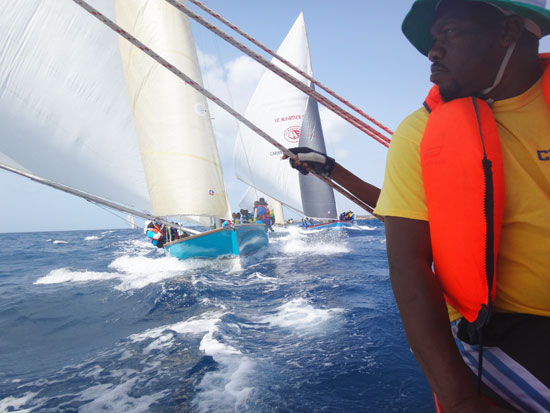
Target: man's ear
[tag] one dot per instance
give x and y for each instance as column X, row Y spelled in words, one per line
column 513, row 27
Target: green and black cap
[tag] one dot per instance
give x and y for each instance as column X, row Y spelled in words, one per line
column 418, row 21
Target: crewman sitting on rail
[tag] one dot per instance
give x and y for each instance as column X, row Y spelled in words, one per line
column 156, row 233
column 262, row 215
column 306, row 222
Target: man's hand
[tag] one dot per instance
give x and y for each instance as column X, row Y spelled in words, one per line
column 306, row 159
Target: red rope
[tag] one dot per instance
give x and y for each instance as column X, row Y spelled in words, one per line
column 289, row 64
column 212, row 97
column 379, row 137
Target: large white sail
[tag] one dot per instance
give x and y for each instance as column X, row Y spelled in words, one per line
column 178, row 148
column 63, row 105
column 278, row 108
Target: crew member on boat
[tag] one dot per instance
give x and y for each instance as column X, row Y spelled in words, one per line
column 155, row 232
column 347, row 216
column 445, row 163
column 236, row 217
column 246, row 216
column 263, row 202
column 262, row 214
column 466, row 185
column 306, row 222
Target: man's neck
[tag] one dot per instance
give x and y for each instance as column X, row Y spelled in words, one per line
column 516, row 82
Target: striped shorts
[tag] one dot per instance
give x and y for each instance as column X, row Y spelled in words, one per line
column 516, row 360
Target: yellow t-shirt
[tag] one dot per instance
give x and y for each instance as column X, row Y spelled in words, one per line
column 523, row 263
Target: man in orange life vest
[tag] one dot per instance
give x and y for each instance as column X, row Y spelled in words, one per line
column 466, row 191
column 262, row 214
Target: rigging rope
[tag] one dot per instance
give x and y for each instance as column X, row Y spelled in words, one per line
column 289, row 64
column 112, row 25
column 93, row 198
column 358, row 123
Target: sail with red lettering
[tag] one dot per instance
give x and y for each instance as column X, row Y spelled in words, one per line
column 278, row 108
column 286, row 114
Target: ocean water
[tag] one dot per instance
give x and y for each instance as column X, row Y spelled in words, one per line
column 101, row 321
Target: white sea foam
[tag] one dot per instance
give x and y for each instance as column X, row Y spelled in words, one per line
column 212, row 347
column 227, row 389
column 116, row 398
column 298, row 313
column 360, row 228
column 94, row 372
column 298, row 242
column 297, row 246
column 260, row 276
column 139, row 246
column 138, row 272
column 133, row 272
column 63, row 275
column 60, row 242
column 92, row 238
column 194, row 325
column 14, row 403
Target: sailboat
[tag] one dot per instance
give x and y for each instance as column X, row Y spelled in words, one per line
column 292, row 118
column 112, row 126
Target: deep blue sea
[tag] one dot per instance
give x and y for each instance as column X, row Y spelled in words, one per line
column 101, row 321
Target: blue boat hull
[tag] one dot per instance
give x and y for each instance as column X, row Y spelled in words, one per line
column 335, row 224
column 222, row 242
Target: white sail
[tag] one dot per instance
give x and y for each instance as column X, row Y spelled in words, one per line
column 278, row 108
column 130, row 221
column 178, row 148
column 278, row 212
column 63, row 105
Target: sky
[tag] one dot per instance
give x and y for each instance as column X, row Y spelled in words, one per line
column 357, row 50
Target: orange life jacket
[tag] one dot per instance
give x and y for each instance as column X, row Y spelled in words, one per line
column 266, row 215
column 463, row 179
column 155, row 233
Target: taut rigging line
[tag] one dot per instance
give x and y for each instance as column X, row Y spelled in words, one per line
column 344, row 114
column 289, row 64
column 113, row 26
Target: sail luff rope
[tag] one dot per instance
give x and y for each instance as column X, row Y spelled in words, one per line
column 358, row 123
column 112, row 25
column 289, row 64
column 93, row 199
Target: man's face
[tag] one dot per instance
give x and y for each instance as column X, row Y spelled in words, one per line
column 466, row 53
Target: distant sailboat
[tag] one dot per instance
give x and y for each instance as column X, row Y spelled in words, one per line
column 292, row 118
column 130, row 221
column 72, row 127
